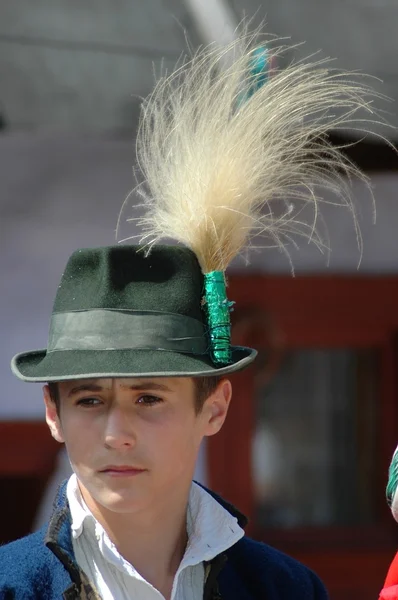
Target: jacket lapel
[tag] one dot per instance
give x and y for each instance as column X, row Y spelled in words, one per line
column 59, row 540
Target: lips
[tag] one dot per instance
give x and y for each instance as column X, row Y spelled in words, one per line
column 122, row 469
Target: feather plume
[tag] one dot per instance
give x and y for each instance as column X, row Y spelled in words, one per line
column 219, row 172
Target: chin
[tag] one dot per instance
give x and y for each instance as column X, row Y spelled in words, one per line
column 122, row 499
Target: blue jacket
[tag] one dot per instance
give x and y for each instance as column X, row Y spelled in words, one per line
column 43, row 566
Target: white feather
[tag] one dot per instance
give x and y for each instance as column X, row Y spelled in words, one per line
column 218, row 172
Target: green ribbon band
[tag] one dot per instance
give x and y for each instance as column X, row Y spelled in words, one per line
column 108, row 329
column 218, row 308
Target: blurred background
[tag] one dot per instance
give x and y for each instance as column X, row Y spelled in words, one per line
column 314, row 422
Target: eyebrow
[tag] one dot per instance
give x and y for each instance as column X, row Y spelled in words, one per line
column 92, row 387
column 88, row 387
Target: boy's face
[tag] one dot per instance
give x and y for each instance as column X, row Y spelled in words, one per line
column 132, row 442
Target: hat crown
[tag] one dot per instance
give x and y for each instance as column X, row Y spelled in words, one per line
column 121, row 313
column 169, row 279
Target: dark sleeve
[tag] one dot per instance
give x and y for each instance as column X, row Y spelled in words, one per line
column 16, row 592
column 291, row 579
column 264, row 572
column 26, row 569
column 319, row 592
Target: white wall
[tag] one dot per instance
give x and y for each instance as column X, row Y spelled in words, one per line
column 79, row 65
column 57, row 194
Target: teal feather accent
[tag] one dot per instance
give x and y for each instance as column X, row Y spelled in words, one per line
column 392, row 479
column 258, row 72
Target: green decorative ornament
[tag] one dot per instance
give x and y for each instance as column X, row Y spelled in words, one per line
column 218, row 308
column 392, row 485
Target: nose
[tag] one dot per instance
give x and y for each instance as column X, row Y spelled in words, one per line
column 119, row 431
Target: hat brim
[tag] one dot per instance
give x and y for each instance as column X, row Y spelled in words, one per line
column 40, row 366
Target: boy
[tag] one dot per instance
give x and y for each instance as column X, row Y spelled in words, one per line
column 132, row 411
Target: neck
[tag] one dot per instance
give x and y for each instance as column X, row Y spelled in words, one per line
column 154, row 540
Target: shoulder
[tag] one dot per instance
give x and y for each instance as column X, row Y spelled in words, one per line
column 31, row 548
column 275, row 572
column 34, row 540
column 27, row 567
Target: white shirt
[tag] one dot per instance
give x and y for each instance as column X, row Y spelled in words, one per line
column 211, row 530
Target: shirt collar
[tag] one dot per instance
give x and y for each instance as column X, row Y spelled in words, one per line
column 211, row 528
column 78, row 508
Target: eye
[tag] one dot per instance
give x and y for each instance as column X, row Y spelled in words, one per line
column 149, row 400
column 88, row 401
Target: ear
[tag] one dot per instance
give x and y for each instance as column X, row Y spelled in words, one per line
column 52, row 417
column 216, row 407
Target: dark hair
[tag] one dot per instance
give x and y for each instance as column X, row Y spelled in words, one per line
column 204, row 387
column 54, row 394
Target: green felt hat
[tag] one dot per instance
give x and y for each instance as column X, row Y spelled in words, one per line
column 121, row 313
